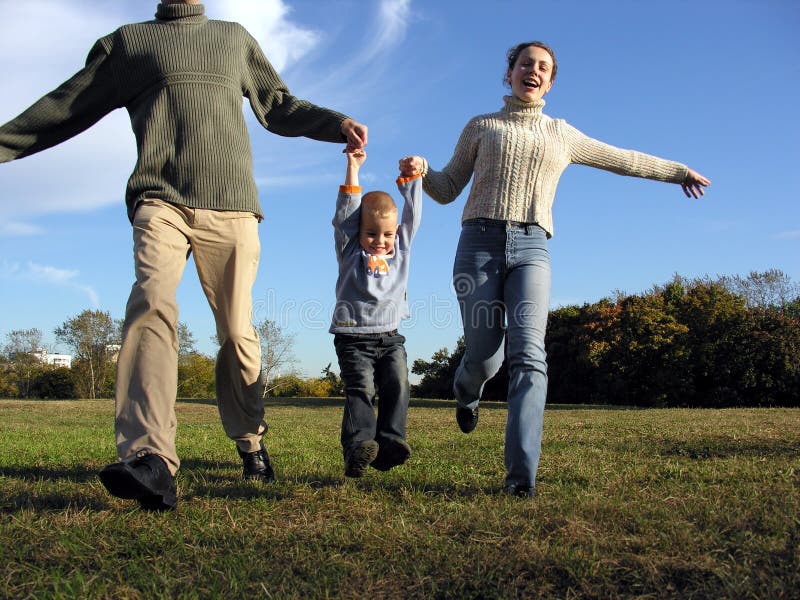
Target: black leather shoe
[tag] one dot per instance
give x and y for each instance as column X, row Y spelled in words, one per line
column 519, row 491
column 391, row 453
column 467, row 418
column 358, row 458
column 256, row 465
column 146, row 479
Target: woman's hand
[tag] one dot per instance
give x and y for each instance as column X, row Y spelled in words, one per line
column 411, row 165
column 694, row 183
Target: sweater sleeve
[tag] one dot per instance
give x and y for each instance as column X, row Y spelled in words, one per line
column 346, row 219
column 411, row 190
column 593, row 153
column 73, row 107
column 280, row 112
column 444, row 186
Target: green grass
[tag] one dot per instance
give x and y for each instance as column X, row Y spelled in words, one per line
column 631, row 503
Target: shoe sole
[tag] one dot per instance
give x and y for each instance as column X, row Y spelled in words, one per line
column 391, row 454
column 122, row 483
column 360, row 458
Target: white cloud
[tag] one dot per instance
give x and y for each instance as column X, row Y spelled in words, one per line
column 390, row 29
column 342, row 84
column 357, row 74
column 83, row 173
column 32, row 68
column 788, row 235
column 48, row 275
column 19, row 229
column 283, row 42
column 8, row 270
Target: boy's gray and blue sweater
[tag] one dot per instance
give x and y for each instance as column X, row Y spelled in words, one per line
column 371, row 291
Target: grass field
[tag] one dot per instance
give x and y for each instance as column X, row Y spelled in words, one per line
column 631, row 504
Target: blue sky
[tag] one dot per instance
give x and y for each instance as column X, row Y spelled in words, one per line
column 710, row 83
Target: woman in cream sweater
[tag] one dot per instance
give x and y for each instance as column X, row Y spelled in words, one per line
column 502, row 266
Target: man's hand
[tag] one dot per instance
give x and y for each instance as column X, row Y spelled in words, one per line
column 694, row 183
column 355, row 132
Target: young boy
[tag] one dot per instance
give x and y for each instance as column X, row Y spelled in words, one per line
column 371, row 299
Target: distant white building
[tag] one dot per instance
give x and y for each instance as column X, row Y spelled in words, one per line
column 58, row 360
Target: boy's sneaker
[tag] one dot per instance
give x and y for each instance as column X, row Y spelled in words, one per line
column 145, row 478
column 256, row 465
column 467, row 418
column 391, row 454
column 358, row 458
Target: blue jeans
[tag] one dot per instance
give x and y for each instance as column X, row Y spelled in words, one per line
column 502, row 280
column 370, row 364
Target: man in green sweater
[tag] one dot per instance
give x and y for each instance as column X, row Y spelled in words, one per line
column 182, row 78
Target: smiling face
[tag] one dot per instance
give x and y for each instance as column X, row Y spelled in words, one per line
column 378, row 233
column 531, row 77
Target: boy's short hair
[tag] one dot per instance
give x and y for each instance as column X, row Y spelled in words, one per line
column 378, row 204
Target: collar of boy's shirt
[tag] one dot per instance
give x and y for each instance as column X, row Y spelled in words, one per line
column 168, row 12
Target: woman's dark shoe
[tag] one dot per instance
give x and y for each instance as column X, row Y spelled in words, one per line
column 358, row 458
column 256, row 465
column 146, row 479
column 391, row 453
column 519, row 491
column 467, row 418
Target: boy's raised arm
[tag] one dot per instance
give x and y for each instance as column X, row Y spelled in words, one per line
column 355, row 158
column 409, row 184
column 346, row 218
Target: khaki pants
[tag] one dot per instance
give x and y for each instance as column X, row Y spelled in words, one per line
column 226, row 250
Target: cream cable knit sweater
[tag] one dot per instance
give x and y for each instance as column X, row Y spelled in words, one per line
column 518, row 155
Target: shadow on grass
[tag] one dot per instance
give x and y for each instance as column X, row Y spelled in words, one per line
column 415, row 402
column 709, row 448
column 206, row 479
column 75, row 474
column 53, row 502
column 13, row 500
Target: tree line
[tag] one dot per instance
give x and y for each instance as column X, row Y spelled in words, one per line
column 729, row 341
column 94, row 337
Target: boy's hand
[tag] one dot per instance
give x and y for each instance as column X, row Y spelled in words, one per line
column 355, row 156
column 410, row 166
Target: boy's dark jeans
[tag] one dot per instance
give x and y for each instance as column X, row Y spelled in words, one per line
column 370, row 363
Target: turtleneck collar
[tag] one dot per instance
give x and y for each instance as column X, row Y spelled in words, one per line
column 516, row 106
column 170, row 12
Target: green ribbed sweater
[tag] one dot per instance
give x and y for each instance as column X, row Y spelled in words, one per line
column 517, row 156
column 182, row 78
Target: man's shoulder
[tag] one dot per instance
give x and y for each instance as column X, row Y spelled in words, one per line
column 232, row 26
column 229, row 27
